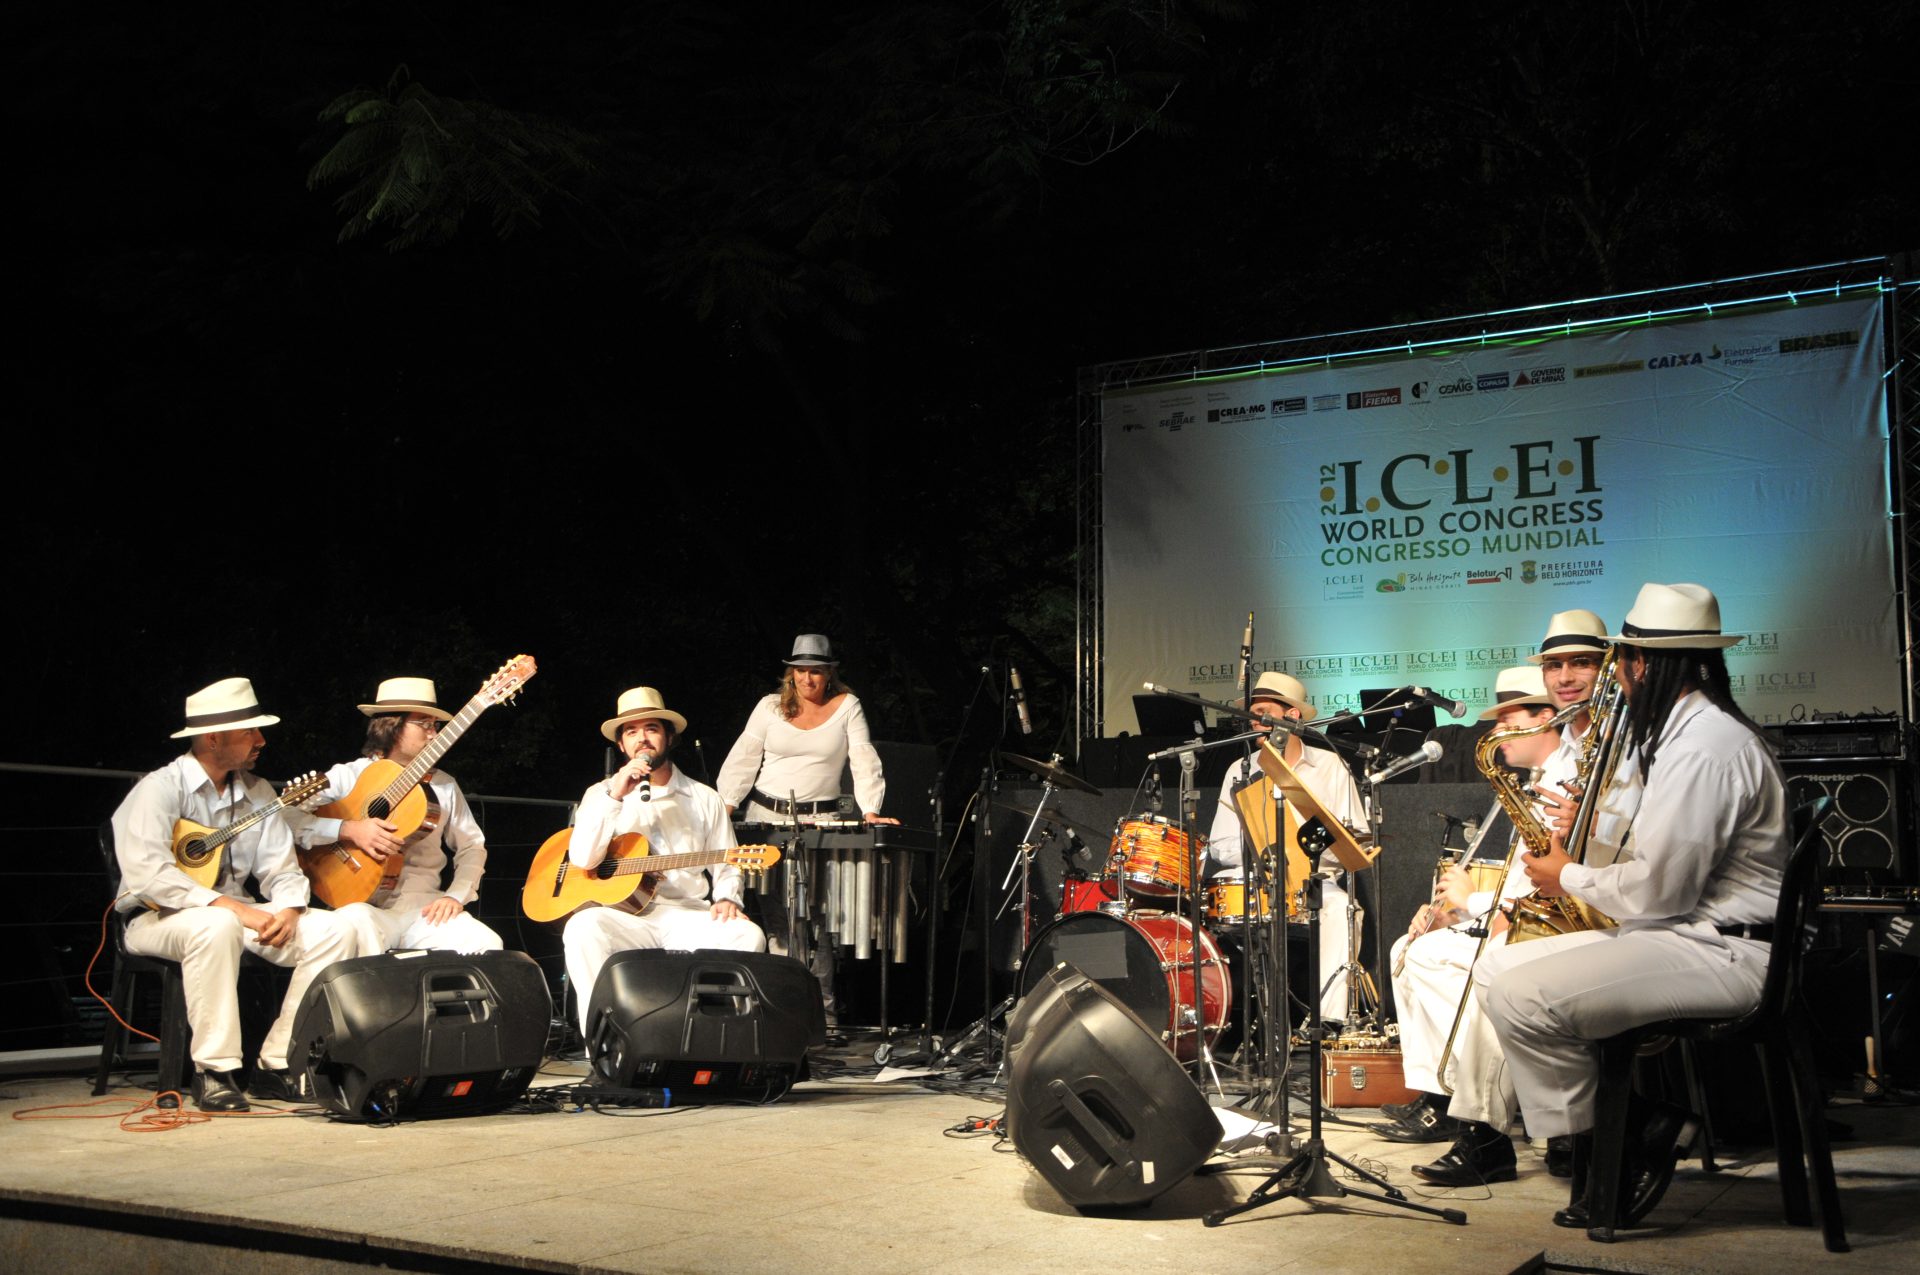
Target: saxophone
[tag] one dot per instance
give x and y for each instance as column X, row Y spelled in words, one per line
column 1536, row 915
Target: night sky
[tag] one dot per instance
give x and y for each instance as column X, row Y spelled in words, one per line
column 688, row 327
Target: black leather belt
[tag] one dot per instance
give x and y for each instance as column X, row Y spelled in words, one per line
column 782, row 806
column 1762, row 932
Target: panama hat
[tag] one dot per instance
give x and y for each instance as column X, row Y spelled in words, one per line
column 407, row 695
column 1684, row 616
column 1571, row 632
column 1287, row 690
column 229, row 704
column 639, row 704
column 1521, row 686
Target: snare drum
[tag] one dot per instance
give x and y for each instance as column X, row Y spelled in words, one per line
column 1484, row 874
column 1228, row 902
column 1147, row 961
column 1151, row 856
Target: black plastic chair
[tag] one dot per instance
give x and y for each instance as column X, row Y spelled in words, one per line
column 1780, row 1030
column 176, row 1069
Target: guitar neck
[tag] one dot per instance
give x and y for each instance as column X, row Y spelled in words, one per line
column 239, row 826
column 424, row 761
column 645, row 863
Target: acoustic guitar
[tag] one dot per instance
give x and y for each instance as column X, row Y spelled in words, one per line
column 198, row 849
column 627, row 878
column 342, row 873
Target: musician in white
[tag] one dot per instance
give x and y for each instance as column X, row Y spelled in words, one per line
column 1694, row 897
column 1434, row 956
column 207, row 928
column 417, row 912
column 1280, row 696
column 677, row 815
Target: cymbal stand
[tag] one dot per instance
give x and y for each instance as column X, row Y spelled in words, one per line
column 1023, row 867
column 1203, row 1063
column 1306, row 1175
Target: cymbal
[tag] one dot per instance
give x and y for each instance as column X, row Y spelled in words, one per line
column 1058, row 776
column 1057, row 820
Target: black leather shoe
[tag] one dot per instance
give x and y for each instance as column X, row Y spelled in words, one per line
column 1481, row 1155
column 215, row 1091
column 1664, row 1130
column 1579, row 1160
column 1399, row 1111
column 277, row 1084
column 1428, row 1124
column 1560, row 1156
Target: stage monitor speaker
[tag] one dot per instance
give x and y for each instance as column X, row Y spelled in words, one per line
column 707, row 1026
column 1095, row 1102
column 1864, row 833
column 412, row 1034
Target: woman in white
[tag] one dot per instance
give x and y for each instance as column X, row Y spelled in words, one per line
column 787, row 762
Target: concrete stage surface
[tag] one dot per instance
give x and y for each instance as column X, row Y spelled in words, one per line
column 843, row 1175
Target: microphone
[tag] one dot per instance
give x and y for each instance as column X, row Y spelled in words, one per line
column 1429, row 751
column 1246, row 652
column 1020, row 700
column 646, row 780
column 1453, row 706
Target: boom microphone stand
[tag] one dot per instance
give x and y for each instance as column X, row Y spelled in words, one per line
column 1306, row 1175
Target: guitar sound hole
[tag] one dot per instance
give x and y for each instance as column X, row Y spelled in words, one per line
column 378, row 808
column 605, row 871
column 196, row 851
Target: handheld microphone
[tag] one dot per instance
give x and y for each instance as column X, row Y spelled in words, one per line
column 1428, row 752
column 1020, row 700
column 646, row 780
column 1453, row 706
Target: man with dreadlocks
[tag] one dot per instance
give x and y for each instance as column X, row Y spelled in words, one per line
column 1694, row 895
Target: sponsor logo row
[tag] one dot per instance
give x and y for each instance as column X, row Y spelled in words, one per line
column 1498, row 382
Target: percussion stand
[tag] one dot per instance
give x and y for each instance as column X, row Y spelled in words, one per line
column 1306, row 1175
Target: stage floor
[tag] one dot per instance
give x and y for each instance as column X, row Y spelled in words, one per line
column 846, row 1175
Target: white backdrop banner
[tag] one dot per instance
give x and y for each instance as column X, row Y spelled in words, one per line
column 1417, row 521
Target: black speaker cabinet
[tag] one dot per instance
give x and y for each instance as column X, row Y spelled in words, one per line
column 1863, row 834
column 1095, row 1102
column 413, row 1034
column 707, row 1026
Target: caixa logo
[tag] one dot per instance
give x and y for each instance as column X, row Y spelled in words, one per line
column 1675, row 360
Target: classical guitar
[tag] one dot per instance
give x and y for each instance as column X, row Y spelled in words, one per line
column 626, row 878
column 198, row 849
column 342, row 873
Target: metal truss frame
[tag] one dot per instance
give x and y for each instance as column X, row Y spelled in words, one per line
column 1897, row 279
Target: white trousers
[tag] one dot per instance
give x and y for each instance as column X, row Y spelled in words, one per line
column 1549, row 1000
column 593, row 935
column 395, row 924
column 208, row 942
column 1426, row 995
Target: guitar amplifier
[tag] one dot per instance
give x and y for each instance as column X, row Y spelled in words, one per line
column 707, row 1026
column 413, row 1034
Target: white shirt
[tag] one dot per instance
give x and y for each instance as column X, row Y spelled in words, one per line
column 781, row 760
column 1324, row 774
column 143, row 841
column 427, row 857
column 682, row 817
column 1710, row 836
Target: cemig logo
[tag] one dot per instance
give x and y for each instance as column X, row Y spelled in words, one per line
column 1459, row 385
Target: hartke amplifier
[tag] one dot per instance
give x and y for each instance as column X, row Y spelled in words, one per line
column 707, row 1026
column 1865, row 839
column 413, row 1034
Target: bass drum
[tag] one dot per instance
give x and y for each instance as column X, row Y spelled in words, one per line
column 1147, row 960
